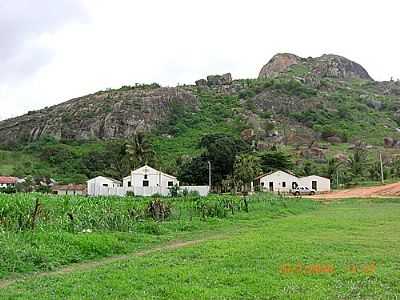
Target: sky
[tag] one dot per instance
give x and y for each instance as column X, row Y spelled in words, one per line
column 52, row 51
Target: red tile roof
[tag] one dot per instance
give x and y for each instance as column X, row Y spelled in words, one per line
column 8, row 180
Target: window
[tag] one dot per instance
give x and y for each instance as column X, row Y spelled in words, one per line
column 145, row 176
column 129, row 183
column 283, row 184
column 170, row 183
column 105, row 184
column 262, row 184
column 145, row 183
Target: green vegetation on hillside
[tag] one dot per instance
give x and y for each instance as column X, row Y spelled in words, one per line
column 289, row 112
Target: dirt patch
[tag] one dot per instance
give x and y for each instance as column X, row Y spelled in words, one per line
column 388, row 190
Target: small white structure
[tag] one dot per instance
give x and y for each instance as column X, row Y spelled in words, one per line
column 103, row 186
column 284, row 182
column 317, row 183
column 278, row 181
column 149, row 177
column 70, row 189
column 147, row 181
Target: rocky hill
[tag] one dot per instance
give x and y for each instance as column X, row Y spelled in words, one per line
column 313, row 108
column 103, row 115
column 296, row 102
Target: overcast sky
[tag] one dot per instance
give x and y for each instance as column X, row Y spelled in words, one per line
column 54, row 50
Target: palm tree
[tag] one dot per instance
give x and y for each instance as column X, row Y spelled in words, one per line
column 357, row 162
column 140, row 151
column 246, row 169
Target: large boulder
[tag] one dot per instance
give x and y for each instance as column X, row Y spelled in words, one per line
column 327, row 65
column 278, row 64
column 330, row 65
column 225, row 79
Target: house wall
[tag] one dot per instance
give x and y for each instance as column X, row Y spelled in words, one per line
column 94, row 185
column 278, row 178
column 323, row 184
column 154, row 177
column 202, row 190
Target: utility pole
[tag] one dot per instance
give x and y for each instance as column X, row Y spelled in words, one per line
column 380, row 159
column 209, row 174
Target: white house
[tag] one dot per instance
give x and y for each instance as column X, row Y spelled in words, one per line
column 102, row 186
column 147, row 181
column 318, row 183
column 280, row 181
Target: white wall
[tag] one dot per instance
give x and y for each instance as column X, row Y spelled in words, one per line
column 323, row 184
column 72, row 193
column 153, row 176
column 202, row 190
column 144, row 191
column 278, row 179
column 94, row 184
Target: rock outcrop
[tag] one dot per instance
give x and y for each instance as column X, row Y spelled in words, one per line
column 103, row 115
column 215, row 80
column 279, row 63
column 327, row 65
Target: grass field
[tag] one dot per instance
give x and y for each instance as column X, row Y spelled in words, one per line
column 341, row 250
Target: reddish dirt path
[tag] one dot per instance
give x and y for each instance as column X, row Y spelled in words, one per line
column 388, row 190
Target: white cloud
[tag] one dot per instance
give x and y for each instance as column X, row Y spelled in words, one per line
column 123, row 42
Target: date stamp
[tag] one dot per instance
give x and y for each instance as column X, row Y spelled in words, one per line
column 317, row 269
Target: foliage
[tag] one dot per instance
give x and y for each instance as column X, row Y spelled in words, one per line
column 140, row 151
column 275, row 160
column 357, row 161
column 221, row 150
column 246, row 168
column 194, row 171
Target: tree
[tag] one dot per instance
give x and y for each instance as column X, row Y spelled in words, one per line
column 395, row 170
column 334, row 166
column 221, row 150
column 357, row 162
column 275, row 160
column 140, row 151
column 246, row 169
column 194, row 171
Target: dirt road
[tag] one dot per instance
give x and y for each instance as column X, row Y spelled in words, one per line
column 388, row 190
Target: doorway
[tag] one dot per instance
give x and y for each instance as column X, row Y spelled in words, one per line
column 271, row 186
column 314, row 185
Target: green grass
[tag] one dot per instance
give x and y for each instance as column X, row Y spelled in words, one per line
column 249, row 262
column 116, row 225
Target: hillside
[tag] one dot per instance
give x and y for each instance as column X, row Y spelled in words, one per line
column 315, row 108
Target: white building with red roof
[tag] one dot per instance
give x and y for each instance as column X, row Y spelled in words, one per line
column 6, row 181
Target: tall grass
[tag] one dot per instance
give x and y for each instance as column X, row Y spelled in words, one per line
column 41, row 232
column 29, row 212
